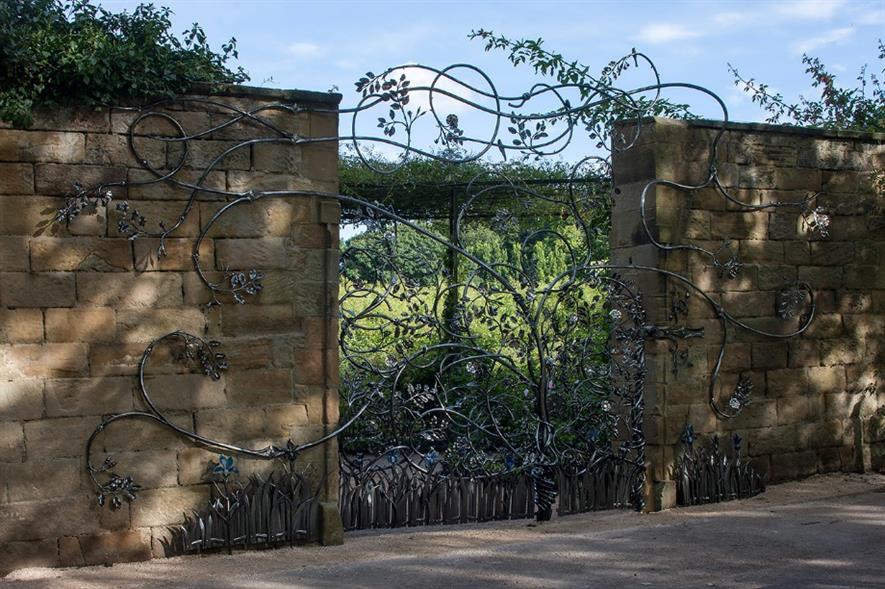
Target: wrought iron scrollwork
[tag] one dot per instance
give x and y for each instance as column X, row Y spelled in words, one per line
column 496, row 369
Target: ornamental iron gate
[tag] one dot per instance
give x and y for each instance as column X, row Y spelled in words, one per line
column 477, row 384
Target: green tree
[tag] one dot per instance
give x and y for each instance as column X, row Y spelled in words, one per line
column 73, row 52
column 861, row 108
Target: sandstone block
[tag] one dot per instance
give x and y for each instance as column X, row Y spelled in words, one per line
column 60, row 179
column 826, row 379
column 81, row 254
column 203, row 153
column 144, row 325
column 152, row 469
column 186, row 391
column 257, row 181
column 263, row 218
column 39, row 479
column 72, row 397
column 33, row 215
column 163, row 507
column 80, row 325
column 177, row 255
column 144, row 185
column 130, row 291
column 46, row 361
column 113, row 150
column 12, row 442
column 21, row 326
column 141, row 436
column 260, row 387
column 55, row 289
column 36, row 146
column 14, row 254
column 277, row 155
column 259, row 320
column 37, row 553
column 69, row 553
column 16, row 178
column 62, row 437
column 72, row 119
column 21, row 399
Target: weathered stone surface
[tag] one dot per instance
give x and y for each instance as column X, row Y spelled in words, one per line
column 21, row 399
column 129, row 291
column 260, row 387
column 16, row 178
column 79, row 303
column 60, row 179
column 51, row 289
column 80, row 325
column 39, row 479
column 124, row 546
column 146, row 186
column 20, row 326
column 60, row 437
column 37, row 553
column 12, row 442
column 46, row 360
column 145, row 325
column 176, row 255
column 88, row 396
column 163, row 507
column 113, row 150
column 804, row 389
column 33, row 215
column 36, row 146
column 186, row 391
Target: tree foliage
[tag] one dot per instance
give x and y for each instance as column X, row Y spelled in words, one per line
column 55, row 52
column 861, row 108
column 597, row 120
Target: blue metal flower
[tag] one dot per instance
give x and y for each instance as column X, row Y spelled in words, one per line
column 225, row 466
column 431, row 457
column 688, row 436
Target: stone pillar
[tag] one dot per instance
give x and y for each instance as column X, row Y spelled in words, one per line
column 804, row 389
column 78, row 306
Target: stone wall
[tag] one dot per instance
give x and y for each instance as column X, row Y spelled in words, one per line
column 78, row 306
column 818, row 400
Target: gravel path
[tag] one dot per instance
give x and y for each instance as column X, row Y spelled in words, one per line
column 827, row 531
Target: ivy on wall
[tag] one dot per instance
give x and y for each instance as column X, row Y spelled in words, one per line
column 55, row 53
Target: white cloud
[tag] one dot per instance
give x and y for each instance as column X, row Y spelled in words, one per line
column 734, row 19
column 665, row 33
column 304, row 50
column 442, row 104
column 810, row 9
column 872, row 18
column 828, row 38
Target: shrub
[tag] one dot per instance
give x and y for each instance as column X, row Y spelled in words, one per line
column 56, row 52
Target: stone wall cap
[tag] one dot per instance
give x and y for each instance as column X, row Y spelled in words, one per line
column 763, row 128
column 291, row 95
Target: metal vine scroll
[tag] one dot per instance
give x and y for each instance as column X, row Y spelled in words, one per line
column 490, row 381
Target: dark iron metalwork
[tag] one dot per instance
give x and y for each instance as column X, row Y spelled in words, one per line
column 556, row 396
column 256, row 513
column 706, row 473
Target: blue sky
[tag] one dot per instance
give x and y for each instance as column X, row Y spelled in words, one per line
column 321, row 45
column 317, row 45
